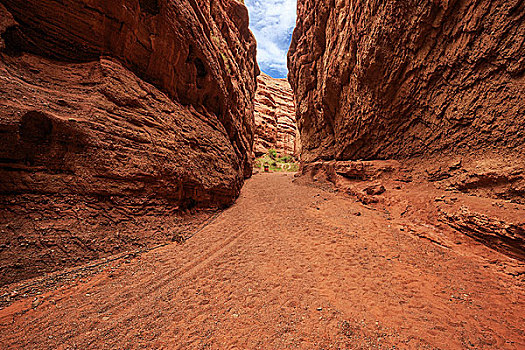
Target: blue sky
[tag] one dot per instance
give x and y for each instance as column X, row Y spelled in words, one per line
column 272, row 22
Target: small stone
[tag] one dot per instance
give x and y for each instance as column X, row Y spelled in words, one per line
column 375, row 190
column 319, row 309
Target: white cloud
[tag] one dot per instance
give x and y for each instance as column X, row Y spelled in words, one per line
column 272, row 23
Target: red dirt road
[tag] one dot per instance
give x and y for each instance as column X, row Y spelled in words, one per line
column 287, row 267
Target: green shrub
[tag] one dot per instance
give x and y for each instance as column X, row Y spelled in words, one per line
column 286, row 163
column 286, row 159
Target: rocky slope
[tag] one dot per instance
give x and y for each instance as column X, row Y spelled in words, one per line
column 411, row 192
column 115, row 117
column 275, row 125
column 381, row 79
column 436, row 85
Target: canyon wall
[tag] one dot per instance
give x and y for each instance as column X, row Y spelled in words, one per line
column 275, row 125
column 115, row 117
column 435, row 86
column 393, row 79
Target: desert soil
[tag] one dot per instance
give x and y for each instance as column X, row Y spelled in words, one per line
column 288, row 266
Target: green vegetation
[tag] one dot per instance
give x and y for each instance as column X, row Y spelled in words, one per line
column 286, row 163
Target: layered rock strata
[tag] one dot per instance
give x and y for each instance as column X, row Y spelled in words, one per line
column 115, row 116
column 275, row 125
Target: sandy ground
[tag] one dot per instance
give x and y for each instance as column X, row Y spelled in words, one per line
column 287, row 267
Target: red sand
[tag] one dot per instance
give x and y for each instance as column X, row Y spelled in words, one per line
column 287, row 267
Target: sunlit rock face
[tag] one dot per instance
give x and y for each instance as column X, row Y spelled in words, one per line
column 383, row 79
column 145, row 106
column 275, row 126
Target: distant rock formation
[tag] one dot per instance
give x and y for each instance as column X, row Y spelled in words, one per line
column 383, row 79
column 275, row 117
column 115, row 116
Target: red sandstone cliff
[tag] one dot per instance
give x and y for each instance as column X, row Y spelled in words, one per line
column 383, row 79
column 115, row 115
column 275, row 117
column 438, row 85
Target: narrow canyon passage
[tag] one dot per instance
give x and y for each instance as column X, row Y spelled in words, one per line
column 288, row 266
column 285, row 174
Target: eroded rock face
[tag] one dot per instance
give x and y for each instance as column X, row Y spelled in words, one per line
column 115, row 116
column 275, row 125
column 496, row 233
column 390, row 79
column 436, row 85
